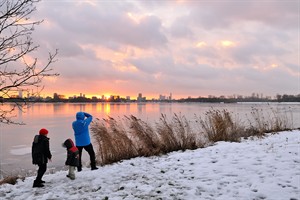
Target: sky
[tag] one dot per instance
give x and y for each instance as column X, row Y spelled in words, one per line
column 265, row 168
column 184, row 47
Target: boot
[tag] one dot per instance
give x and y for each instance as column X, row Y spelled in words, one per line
column 70, row 177
column 42, row 181
column 93, row 165
column 37, row 184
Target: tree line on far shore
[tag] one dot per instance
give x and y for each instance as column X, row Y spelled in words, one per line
column 221, row 99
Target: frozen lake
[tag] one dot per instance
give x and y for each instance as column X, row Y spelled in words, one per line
column 15, row 140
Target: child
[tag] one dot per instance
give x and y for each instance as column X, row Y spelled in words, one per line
column 40, row 155
column 72, row 157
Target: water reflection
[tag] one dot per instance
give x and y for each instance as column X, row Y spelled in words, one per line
column 141, row 107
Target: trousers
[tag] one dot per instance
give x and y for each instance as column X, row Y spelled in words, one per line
column 71, row 174
column 89, row 148
column 41, row 171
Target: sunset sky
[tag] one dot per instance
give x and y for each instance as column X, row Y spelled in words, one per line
column 187, row 48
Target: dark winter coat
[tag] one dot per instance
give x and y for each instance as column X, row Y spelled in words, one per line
column 40, row 150
column 72, row 153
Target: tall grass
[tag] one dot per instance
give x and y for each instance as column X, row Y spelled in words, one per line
column 131, row 137
column 261, row 122
column 220, row 126
column 113, row 141
column 144, row 139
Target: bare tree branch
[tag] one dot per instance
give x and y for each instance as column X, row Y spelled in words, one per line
column 16, row 74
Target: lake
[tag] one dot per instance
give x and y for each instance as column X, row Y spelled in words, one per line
column 16, row 140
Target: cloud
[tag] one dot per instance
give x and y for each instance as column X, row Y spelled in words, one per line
column 184, row 47
column 104, row 24
column 225, row 14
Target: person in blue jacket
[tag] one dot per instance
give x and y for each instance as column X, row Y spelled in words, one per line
column 82, row 138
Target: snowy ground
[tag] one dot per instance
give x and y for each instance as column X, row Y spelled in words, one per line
column 266, row 168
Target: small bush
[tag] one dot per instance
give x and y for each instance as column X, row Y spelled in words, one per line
column 219, row 126
column 11, row 180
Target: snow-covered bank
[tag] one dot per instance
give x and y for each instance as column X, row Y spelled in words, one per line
column 266, row 168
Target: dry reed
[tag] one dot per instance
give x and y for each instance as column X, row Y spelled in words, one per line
column 131, row 137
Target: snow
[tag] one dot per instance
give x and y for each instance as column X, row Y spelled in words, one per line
column 267, row 168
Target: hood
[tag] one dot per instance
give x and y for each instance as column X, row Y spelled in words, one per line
column 80, row 116
column 38, row 138
column 69, row 144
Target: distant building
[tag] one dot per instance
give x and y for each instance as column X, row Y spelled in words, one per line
column 20, row 94
column 140, row 98
column 94, row 98
column 55, row 96
column 48, row 98
column 58, row 96
column 162, row 97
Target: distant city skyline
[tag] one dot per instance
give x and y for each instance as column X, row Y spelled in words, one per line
column 139, row 95
column 189, row 48
column 254, row 97
column 160, row 96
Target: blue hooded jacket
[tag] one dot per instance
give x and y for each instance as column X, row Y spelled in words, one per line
column 81, row 128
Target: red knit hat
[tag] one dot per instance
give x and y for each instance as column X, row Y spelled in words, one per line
column 43, row 131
